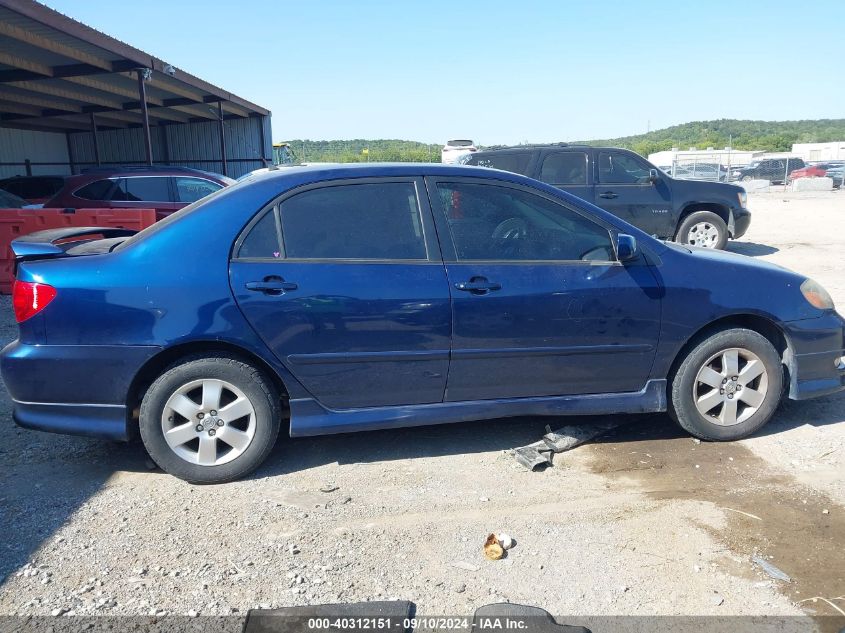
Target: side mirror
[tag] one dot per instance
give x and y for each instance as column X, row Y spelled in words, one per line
column 626, row 247
column 653, row 176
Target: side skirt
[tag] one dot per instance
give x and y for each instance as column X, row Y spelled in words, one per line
column 308, row 417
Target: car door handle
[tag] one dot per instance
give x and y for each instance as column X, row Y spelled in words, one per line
column 608, row 194
column 271, row 286
column 478, row 286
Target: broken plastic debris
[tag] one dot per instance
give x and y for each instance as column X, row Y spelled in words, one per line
column 770, row 569
column 492, row 548
column 531, row 458
column 538, row 454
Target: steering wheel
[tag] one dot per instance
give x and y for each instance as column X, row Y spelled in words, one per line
column 511, row 229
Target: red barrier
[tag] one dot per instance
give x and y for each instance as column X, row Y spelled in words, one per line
column 17, row 222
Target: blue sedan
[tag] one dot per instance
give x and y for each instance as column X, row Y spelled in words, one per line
column 354, row 297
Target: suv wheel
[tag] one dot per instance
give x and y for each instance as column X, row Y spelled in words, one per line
column 728, row 386
column 210, row 419
column 703, row 228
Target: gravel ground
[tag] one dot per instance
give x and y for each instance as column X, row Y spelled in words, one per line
column 645, row 521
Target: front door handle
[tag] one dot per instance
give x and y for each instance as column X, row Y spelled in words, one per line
column 271, row 285
column 608, row 194
column 478, row 286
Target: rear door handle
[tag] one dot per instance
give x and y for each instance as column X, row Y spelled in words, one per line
column 608, row 194
column 478, row 286
column 271, row 285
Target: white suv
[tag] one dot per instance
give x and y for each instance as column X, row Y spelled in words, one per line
column 454, row 150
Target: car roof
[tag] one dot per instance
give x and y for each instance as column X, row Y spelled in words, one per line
column 332, row 171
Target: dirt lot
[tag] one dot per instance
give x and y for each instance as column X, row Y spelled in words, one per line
column 645, row 521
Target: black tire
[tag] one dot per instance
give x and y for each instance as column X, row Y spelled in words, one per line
column 253, row 384
column 698, row 218
column 683, row 385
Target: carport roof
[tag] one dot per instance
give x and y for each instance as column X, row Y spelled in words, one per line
column 56, row 72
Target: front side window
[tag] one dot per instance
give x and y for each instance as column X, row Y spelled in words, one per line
column 491, row 222
column 516, row 162
column 622, row 168
column 565, row 168
column 375, row 221
column 192, row 189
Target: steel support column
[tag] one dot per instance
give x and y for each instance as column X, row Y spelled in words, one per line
column 95, row 139
column 222, row 137
column 142, row 97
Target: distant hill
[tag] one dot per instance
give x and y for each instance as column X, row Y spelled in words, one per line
column 361, row 150
column 773, row 136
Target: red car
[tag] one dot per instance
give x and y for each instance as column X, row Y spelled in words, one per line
column 811, row 171
column 165, row 189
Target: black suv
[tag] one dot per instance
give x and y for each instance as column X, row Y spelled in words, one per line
column 622, row 182
column 775, row 170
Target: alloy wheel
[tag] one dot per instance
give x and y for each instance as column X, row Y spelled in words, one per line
column 704, row 234
column 730, row 387
column 208, row 422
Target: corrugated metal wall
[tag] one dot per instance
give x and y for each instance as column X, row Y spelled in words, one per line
column 17, row 146
column 194, row 145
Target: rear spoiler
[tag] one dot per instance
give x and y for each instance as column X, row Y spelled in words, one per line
column 56, row 242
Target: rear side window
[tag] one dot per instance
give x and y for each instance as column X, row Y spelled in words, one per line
column 262, row 241
column 565, row 168
column 516, row 162
column 147, row 189
column 97, row 190
column 378, row 221
column 192, row 189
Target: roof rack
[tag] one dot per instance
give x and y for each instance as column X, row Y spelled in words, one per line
column 119, row 168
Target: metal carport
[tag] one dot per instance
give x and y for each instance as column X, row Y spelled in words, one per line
column 72, row 97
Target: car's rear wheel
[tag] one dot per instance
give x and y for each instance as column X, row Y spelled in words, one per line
column 704, row 229
column 210, row 419
column 728, row 386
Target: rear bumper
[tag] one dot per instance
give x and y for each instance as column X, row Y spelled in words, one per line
column 75, row 389
column 94, row 420
column 818, row 345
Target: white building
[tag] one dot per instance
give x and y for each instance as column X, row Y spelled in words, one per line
column 820, row 151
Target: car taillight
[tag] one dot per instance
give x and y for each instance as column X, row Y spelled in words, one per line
column 30, row 298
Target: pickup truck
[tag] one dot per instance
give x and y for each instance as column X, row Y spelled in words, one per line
column 622, row 182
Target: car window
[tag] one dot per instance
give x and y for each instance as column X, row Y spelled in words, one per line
column 622, row 168
column 378, row 221
column 491, row 222
column 263, row 238
column 516, row 162
column 565, row 168
column 146, row 189
column 97, row 190
column 192, row 189
column 13, row 186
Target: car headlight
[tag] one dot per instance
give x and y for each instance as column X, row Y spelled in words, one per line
column 743, row 199
column 816, row 296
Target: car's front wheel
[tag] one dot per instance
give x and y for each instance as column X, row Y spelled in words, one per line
column 703, row 228
column 728, row 386
column 210, row 419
